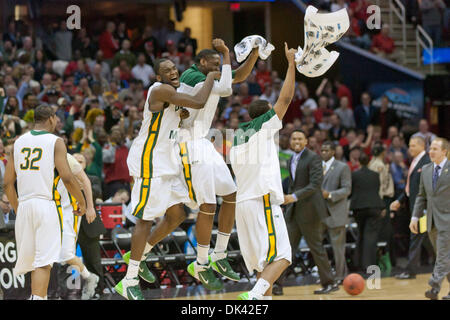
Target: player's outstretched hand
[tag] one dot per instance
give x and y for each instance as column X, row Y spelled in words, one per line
column 290, row 53
column 219, row 46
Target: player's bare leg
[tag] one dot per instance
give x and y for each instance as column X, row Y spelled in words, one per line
column 174, row 216
column 219, row 261
column 266, row 279
column 201, row 269
column 129, row 286
column 40, row 278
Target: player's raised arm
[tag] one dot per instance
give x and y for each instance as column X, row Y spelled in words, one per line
column 8, row 182
column 288, row 89
column 246, row 68
column 66, row 175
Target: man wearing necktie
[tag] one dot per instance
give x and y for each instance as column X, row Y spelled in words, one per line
column 305, row 208
column 336, row 187
column 434, row 196
column 408, row 198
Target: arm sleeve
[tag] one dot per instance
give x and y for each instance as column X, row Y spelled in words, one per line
column 221, row 87
column 421, row 200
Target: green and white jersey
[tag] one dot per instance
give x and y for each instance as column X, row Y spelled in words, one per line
column 199, row 122
column 254, row 159
column 152, row 153
column 34, row 163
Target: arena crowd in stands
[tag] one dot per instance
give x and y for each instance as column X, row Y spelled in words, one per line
column 97, row 83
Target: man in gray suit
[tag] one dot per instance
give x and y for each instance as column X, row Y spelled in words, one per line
column 306, row 209
column 434, row 196
column 336, row 187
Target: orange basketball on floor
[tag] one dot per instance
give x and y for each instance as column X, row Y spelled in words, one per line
column 354, row 284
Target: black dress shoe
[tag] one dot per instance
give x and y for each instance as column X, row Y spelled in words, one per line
column 405, row 275
column 432, row 294
column 277, row 290
column 327, row 289
column 447, row 297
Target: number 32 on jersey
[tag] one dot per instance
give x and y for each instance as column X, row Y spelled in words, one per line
column 35, row 155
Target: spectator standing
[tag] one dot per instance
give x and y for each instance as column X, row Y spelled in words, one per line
column 385, row 117
column 115, row 167
column 187, row 40
column 124, row 54
column 107, row 43
column 431, row 11
column 407, row 199
column 345, row 113
column 143, row 71
column 364, row 112
column 367, row 206
column 63, row 42
column 423, row 132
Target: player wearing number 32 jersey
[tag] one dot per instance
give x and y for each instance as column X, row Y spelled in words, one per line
column 39, row 156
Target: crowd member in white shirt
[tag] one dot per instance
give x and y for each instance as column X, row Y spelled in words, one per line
column 143, row 71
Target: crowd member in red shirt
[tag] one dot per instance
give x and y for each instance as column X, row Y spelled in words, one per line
column 359, row 8
column 322, row 109
column 343, row 91
column 383, row 45
column 115, row 166
column 243, row 94
column 353, row 161
column 107, row 43
column 263, row 75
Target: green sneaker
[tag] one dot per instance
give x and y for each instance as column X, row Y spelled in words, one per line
column 130, row 291
column 223, row 267
column 247, row 296
column 205, row 275
column 144, row 271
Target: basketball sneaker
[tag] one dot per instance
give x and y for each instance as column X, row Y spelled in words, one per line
column 89, row 287
column 129, row 289
column 144, row 271
column 249, row 296
column 222, row 266
column 205, row 275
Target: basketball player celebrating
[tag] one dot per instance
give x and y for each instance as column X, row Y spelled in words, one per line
column 205, row 171
column 39, row 223
column 72, row 223
column 262, row 233
column 153, row 163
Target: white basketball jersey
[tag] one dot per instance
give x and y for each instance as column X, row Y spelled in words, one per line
column 34, row 163
column 152, row 153
column 67, row 200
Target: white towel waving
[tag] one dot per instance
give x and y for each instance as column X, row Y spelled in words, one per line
column 321, row 29
column 243, row 48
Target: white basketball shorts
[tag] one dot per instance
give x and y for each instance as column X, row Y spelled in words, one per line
column 262, row 233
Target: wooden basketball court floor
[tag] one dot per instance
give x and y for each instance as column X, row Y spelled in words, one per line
column 390, row 289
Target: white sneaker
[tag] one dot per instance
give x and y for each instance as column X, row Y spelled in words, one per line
column 89, row 287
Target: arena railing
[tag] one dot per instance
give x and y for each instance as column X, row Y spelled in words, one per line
column 397, row 8
column 420, row 32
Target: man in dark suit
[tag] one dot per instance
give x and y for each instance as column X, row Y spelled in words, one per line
column 434, row 197
column 306, row 209
column 364, row 112
column 385, row 117
column 408, row 198
column 336, row 187
column 367, row 207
